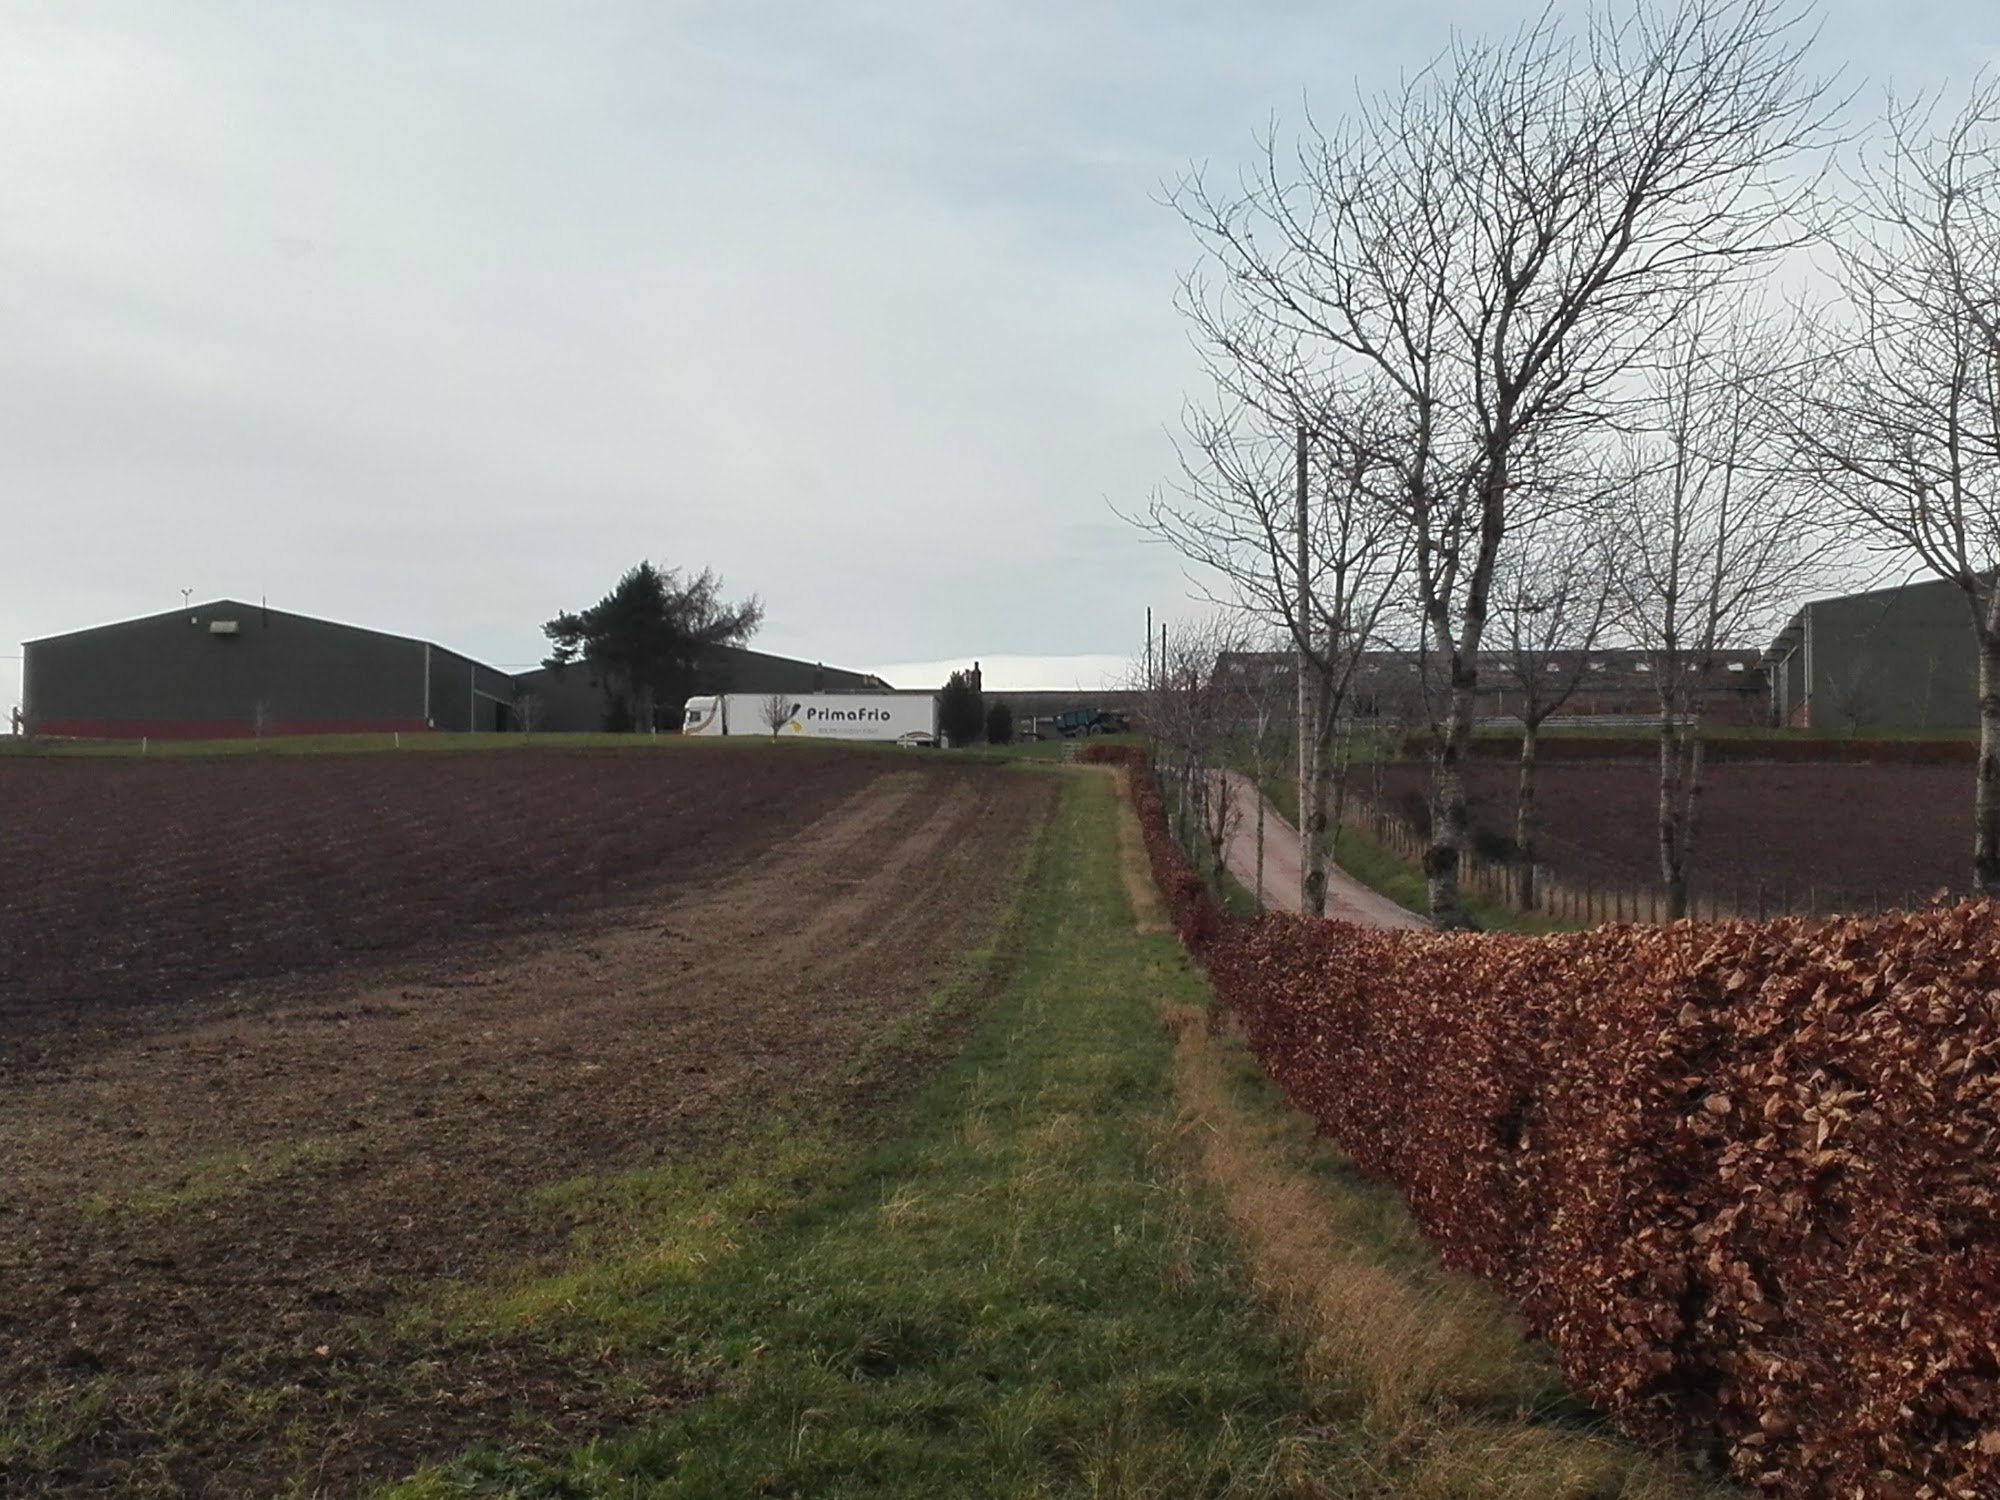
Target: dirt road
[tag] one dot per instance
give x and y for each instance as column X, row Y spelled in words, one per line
column 210, row 1229
column 1347, row 899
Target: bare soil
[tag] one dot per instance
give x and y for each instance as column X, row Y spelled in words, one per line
column 1826, row 836
column 217, row 1204
column 128, row 881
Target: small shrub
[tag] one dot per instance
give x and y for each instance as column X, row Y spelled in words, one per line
column 999, row 723
column 961, row 713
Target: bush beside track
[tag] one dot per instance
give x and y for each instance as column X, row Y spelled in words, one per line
column 1744, row 1177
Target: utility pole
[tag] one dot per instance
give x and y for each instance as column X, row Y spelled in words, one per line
column 1302, row 644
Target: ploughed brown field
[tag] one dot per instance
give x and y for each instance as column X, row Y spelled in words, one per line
column 124, row 880
column 1847, row 834
column 288, row 1046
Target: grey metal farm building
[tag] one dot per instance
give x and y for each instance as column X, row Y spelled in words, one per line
column 1892, row 658
column 1614, row 684
column 228, row 669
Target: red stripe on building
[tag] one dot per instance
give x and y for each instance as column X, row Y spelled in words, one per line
column 218, row 729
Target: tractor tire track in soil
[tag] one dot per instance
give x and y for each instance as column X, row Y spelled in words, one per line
column 212, row 1217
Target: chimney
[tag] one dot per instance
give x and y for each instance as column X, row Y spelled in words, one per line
column 819, row 677
column 976, row 683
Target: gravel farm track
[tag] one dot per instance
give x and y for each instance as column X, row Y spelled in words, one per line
column 1852, row 834
column 286, row 1043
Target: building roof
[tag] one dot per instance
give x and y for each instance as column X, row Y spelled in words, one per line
column 251, row 610
column 736, row 658
column 1604, row 666
column 856, row 681
column 839, row 679
column 1794, row 630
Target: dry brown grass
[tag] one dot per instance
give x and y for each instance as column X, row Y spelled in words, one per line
column 1432, row 1366
column 1148, row 912
column 1473, row 1460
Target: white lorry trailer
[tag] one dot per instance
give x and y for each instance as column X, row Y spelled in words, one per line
column 906, row 718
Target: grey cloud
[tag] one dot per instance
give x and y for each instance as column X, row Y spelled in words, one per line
column 438, row 316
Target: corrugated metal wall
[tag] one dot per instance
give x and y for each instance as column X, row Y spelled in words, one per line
column 465, row 694
column 174, row 675
column 186, row 674
column 1896, row 658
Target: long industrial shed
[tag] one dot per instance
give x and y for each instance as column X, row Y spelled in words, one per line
column 227, row 669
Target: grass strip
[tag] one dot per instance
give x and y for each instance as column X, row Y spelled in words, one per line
column 1019, row 1296
column 1102, row 1259
column 1431, row 1366
column 1388, row 873
column 1381, row 869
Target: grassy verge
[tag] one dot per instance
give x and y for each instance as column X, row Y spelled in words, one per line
column 1425, row 1369
column 1099, row 1258
column 1018, row 1296
column 1383, row 870
column 1235, row 896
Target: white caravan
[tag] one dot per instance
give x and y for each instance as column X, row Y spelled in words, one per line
column 906, row 718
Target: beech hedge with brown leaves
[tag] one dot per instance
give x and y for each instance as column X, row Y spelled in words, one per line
column 1743, row 1177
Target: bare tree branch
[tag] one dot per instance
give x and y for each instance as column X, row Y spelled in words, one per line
column 1484, row 257
column 1722, row 535
column 1899, row 422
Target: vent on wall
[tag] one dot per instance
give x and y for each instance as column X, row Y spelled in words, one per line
column 222, row 627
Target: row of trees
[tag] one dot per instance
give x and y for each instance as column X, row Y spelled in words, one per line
column 1493, row 382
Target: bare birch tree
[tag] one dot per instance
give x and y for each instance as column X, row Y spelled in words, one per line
column 1491, row 248
column 775, row 710
column 1279, row 502
column 1902, row 426
column 1721, row 537
column 1195, row 718
column 1259, row 685
column 1552, row 596
column 528, row 712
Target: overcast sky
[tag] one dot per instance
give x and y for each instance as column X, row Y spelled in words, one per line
column 435, row 317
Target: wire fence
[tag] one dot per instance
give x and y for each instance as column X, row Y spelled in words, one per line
column 1588, row 900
